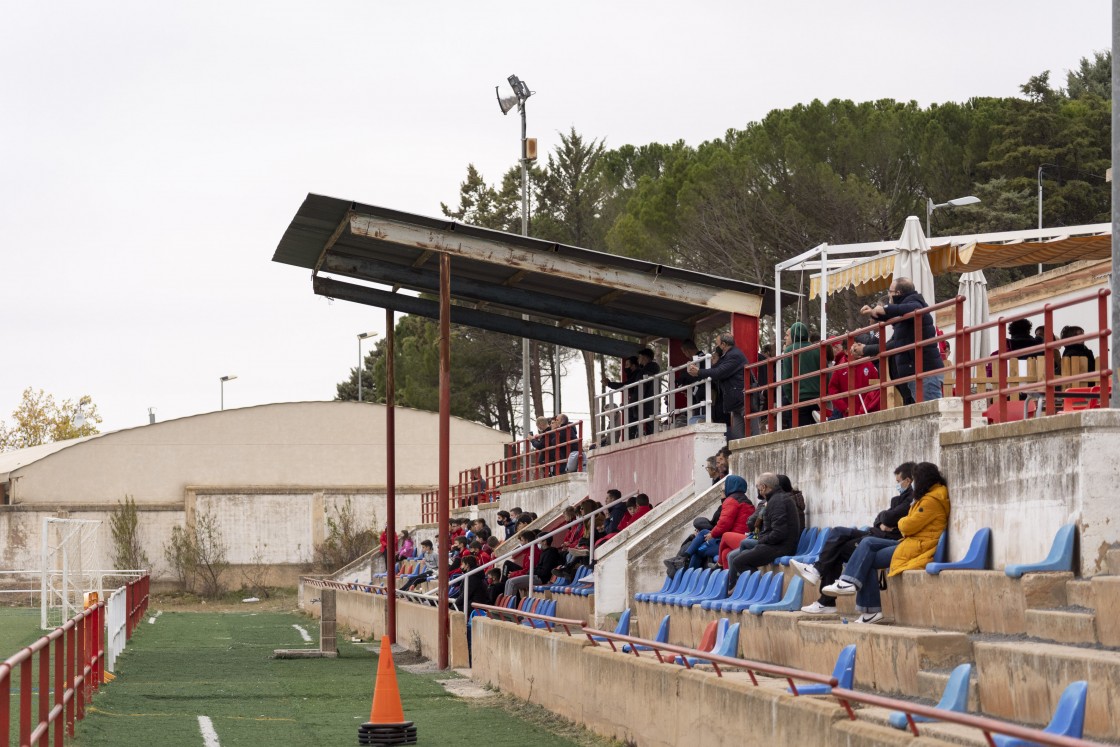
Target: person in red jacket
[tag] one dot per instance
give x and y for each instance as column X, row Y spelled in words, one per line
column 636, row 507
column 733, row 515
column 863, row 373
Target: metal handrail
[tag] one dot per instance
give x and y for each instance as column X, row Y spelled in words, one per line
column 665, row 387
column 752, row 667
column 983, row 723
column 502, row 612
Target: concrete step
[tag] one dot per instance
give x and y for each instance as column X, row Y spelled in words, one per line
column 1106, row 601
column 1079, row 593
column 931, row 686
column 1062, row 626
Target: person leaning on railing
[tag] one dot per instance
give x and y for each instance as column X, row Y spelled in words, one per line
column 631, row 374
column 905, row 300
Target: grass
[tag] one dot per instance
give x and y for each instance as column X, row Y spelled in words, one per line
column 218, row 664
column 19, row 627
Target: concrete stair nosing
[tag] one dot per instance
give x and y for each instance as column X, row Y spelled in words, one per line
column 1062, row 626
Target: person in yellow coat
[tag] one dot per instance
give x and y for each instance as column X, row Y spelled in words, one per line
column 921, row 530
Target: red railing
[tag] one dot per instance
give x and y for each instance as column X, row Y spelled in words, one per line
column 752, row 667
column 511, row 615
column 70, row 660
column 987, row 725
column 533, row 458
column 1051, row 382
column 136, row 594
column 960, row 371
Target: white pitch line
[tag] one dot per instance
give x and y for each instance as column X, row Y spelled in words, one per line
column 306, row 636
column 209, row 736
column 152, row 619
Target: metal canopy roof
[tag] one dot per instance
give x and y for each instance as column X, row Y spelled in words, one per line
column 496, row 277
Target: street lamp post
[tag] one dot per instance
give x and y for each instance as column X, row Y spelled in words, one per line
column 958, row 202
column 361, row 337
column 521, row 93
column 224, row 379
column 1040, row 170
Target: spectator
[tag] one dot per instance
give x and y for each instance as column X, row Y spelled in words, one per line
column 478, row 488
column 648, row 369
column 456, row 530
column 728, row 373
column 862, row 375
column 1039, row 332
column 713, row 470
column 842, row 541
column 616, row 512
column 405, row 548
column 494, row 586
column 760, row 377
column 696, row 399
column 1077, row 349
column 480, row 529
column 487, row 551
column 921, row 530
column 475, row 586
column 808, row 361
column 779, row 530
column 571, row 537
column 566, row 438
column 428, row 570
column 517, row 570
column 1020, row 337
column 906, row 299
column 459, row 548
column 735, row 510
column 635, row 508
column 505, row 521
column 551, row 559
column 719, row 415
column 630, row 374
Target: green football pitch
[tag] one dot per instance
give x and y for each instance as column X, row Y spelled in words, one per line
column 218, row 666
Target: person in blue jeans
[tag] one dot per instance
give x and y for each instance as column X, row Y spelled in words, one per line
column 733, row 515
column 921, row 530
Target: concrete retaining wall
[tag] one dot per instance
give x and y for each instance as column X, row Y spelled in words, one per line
column 620, row 696
column 1026, row 479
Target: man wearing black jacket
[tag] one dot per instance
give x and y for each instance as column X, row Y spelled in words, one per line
column 779, row 535
column 728, row 373
column 842, row 541
column 905, row 299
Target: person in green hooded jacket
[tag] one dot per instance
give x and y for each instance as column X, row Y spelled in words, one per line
column 809, row 361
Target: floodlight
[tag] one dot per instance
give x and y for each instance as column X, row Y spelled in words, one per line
column 507, row 103
column 519, row 87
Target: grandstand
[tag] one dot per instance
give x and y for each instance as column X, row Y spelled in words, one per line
column 1009, row 632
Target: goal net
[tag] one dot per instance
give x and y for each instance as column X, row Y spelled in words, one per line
column 71, row 551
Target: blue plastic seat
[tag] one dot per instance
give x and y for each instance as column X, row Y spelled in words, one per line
column 661, row 637
column 1059, row 559
column 791, row 602
column 622, row 628
column 742, row 588
column 581, row 573
column 727, row 644
column 814, row 552
column 696, row 582
column 716, row 588
column 641, row 595
column 804, row 544
column 1069, row 717
column 844, row 672
column 680, row 582
column 976, row 559
column 955, row 698
column 941, row 554
column 762, row 593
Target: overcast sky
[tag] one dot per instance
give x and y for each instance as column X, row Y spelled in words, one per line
column 152, row 153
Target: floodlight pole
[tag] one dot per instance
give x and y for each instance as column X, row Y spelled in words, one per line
column 1114, row 400
column 525, row 364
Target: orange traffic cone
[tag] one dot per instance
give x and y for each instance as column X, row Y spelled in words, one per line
column 386, row 716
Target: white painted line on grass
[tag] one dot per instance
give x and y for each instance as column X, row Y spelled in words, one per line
column 209, row 736
column 152, row 619
column 306, row 636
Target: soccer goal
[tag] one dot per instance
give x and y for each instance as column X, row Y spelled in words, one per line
column 71, row 553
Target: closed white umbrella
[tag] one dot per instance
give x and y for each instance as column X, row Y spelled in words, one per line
column 911, row 260
column 974, row 287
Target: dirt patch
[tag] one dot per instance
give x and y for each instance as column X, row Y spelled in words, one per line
column 464, row 688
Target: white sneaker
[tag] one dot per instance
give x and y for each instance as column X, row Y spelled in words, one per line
column 869, row 618
column 816, row 608
column 807, row 571
column 839, row 589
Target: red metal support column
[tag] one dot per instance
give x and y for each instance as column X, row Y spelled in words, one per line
column 745, row 331
column 390, row 474
column 444, row 447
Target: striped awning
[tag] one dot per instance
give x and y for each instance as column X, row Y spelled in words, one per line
column 874, row 274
